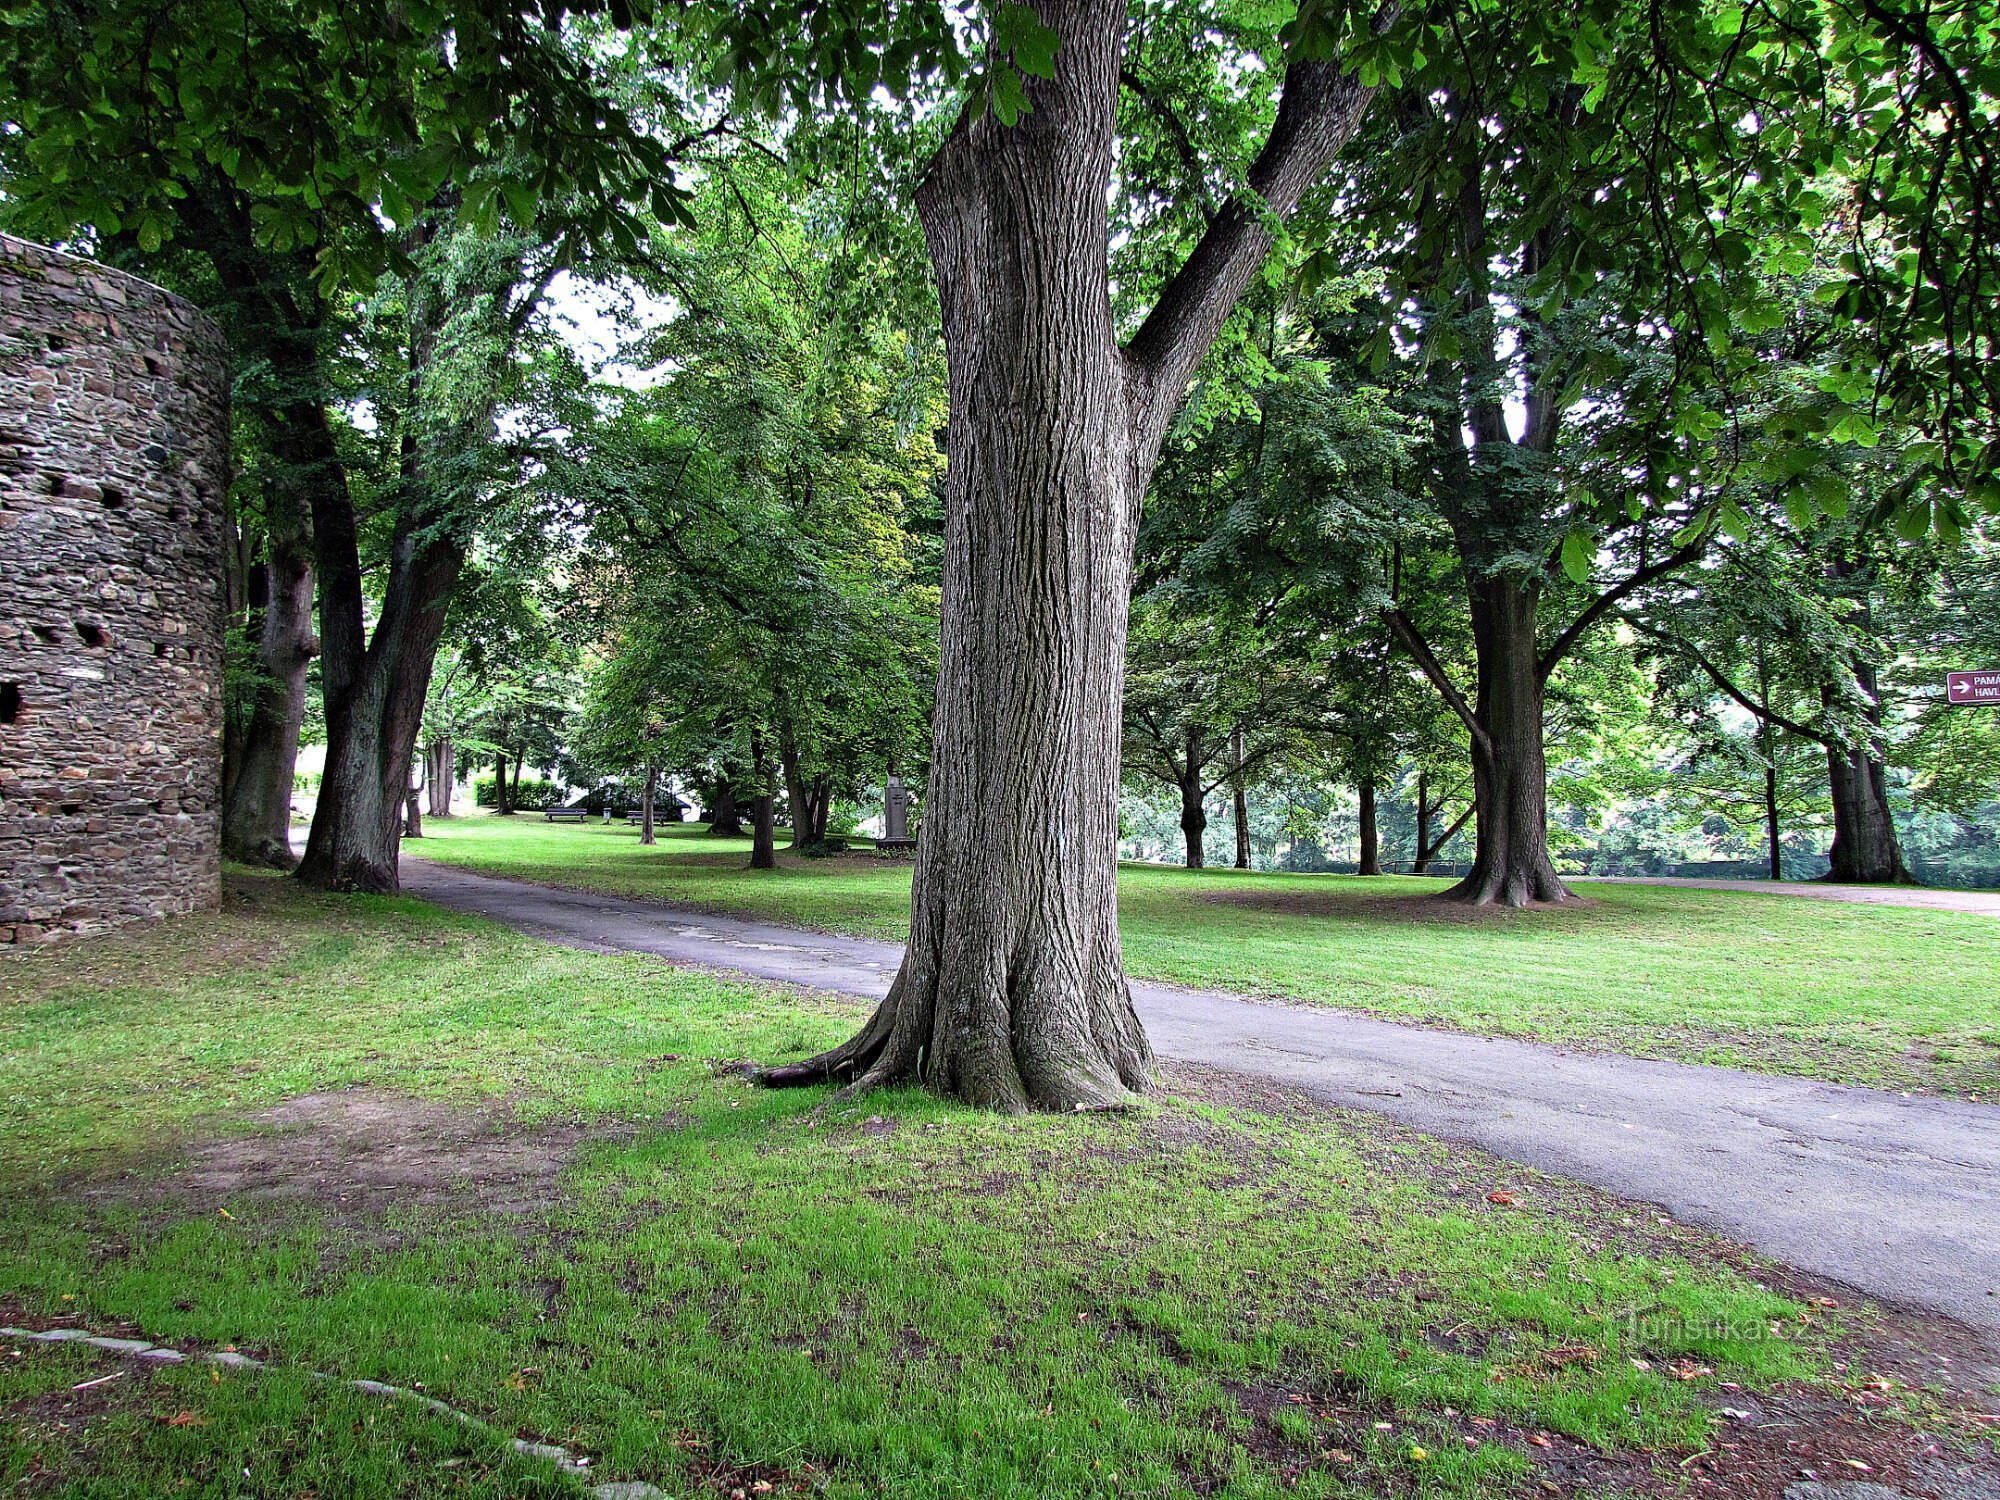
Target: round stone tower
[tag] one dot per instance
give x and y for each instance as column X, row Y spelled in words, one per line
column 114, row 462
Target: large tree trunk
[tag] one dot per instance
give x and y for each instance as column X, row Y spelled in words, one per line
column 440, row 766
column 1371, row 842
column 503, row 798
column 1511, row 863
column 374, row 710
column 257, row 808
column 646, row 799
column 1865, row 848
column 1194, row 817
column 1012, row 992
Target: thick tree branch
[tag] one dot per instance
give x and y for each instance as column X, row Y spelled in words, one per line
column 1611, row 598
column 1413, row 641
column 1318, row 112
column 1762, row 712
column 1430, row 850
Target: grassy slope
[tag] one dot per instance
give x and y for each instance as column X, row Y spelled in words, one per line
column 730, row 1285
column 1890, row 996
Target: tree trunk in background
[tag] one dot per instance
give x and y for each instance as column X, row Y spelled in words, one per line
column 440, row 767
column 1511, row 863
column 374, row 709
column 796, row 796
column 646, row 797
column 822, row 805
column 1239, row 801
column 257, row 808
column 413, row 814
column 1371, row 844
column 1865, row 850
column 1194, row 817
column 763, row 832
column 763, row 810
column 503, row 797
column 1422, row 863
column 1777, row 847
column 728, row 818
column 1012, row 990
column 374, row 684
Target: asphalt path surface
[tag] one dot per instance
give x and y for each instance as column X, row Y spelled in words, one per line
column 1896, row 1196
column 1927, row 897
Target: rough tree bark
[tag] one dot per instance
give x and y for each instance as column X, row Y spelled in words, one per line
column 1371, row 842
column 257, row 807
column 1012, row 992
column 374, row 704
column 1510, row 863
column 1865, row 848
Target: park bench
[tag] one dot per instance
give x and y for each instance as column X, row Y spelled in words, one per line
column 565, row 814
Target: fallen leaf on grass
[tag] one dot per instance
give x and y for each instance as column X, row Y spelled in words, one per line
column 1501, row 1197
column 183, row 1419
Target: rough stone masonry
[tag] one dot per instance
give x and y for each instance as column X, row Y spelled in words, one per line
column 114, row 462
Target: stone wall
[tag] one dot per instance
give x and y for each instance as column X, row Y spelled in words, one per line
column 114, row 460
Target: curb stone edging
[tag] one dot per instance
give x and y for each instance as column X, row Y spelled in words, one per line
column 560, row 1458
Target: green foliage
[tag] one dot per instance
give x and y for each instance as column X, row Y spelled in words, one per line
column 336, row 130
column 530, row 793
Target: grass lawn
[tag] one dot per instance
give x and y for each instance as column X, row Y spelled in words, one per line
column 367, row 1138
column 1890, row 996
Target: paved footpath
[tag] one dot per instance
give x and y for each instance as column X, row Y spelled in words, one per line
column 1897, row 1196
column 1930, row 897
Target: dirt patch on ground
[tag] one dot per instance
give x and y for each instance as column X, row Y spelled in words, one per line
column 358, row 1152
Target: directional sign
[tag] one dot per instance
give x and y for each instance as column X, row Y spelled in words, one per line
column 1972, row 687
